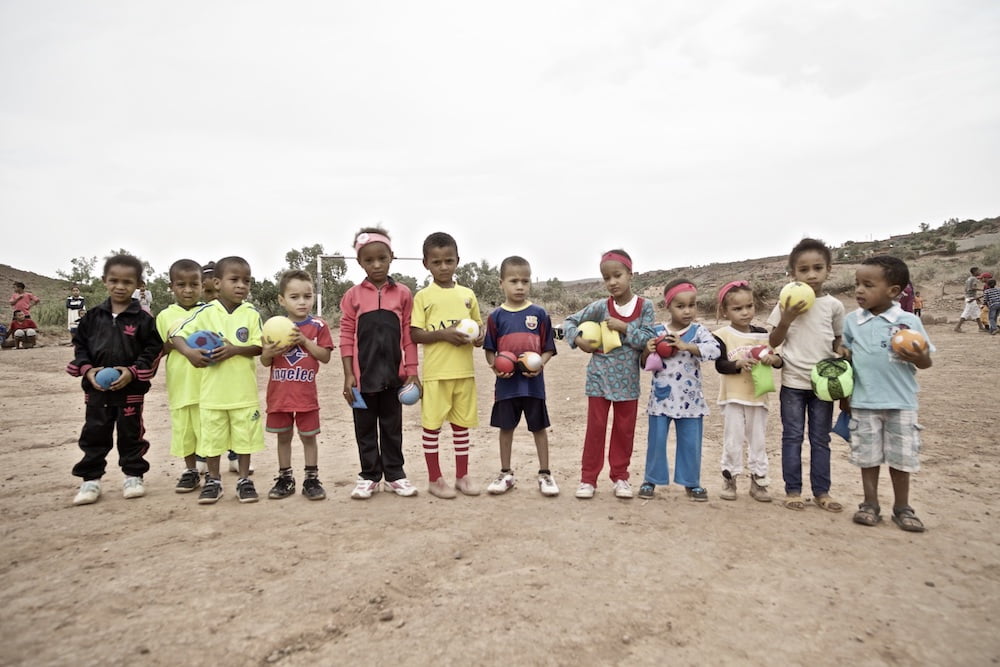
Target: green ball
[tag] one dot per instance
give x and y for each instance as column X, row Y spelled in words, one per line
column 832, row 379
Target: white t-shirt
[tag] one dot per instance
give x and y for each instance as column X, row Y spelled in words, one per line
column 809, row 339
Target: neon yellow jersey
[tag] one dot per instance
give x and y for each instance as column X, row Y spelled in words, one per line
column 434, row 308
column 183, row 379
column 231, row 383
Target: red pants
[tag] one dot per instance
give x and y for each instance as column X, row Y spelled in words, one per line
column 622, row 435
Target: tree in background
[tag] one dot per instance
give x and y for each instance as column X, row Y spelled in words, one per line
column 482, row 279
column 264, row 293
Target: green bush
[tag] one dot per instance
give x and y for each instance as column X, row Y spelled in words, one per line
column 991, row 256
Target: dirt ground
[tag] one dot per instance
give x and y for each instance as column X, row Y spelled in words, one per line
column 516, row 579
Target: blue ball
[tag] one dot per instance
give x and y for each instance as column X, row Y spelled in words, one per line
column 107, row 377
column 204, row 340
column 409, row 394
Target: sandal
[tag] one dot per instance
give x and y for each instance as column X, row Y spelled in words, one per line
column 868, row 514
column 794, row 503
column 828, row 503
column 905, row 518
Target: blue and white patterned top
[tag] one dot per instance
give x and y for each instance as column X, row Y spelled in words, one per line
column 677, row 390
column 614, row 375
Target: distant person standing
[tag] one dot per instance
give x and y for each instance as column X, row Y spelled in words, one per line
column 918, row 304
column 991, row 300
column 906, row 298
column 21, row 300
column 144, row 296
column 75, row 308
column 971, row 310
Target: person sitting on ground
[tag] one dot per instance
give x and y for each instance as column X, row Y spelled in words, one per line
column 22, row 332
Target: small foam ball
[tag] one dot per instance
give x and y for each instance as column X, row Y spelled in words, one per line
column 505, row 362
column 530, row 361
column 409, row 394
column 590, row 331
column 469, row 328
column 664, row 349
column 905, row 338
column 278, row 331
column 107, row 377
column 794, row 292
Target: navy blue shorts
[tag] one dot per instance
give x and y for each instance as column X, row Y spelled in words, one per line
column 507, row 413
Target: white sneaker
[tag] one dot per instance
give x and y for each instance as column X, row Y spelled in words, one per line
column 503, row 483
column 133, row 488
column 234, row 465
column 547, row 485
column 585, row 491
column 89, row 492
column 623, row 489
column 364, row 488
column 401, row 487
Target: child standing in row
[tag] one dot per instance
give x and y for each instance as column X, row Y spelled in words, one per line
column 519, row 326
column 806, row 335
column 378, row 355
column 884, row 427
column 115, row 334
column 229, row 411
column 449, row 384
column 744, row 413
column 292, row 399
column 183, row 379
column 677, row 395
column 612, row 376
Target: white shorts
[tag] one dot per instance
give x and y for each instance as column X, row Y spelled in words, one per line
column 885, row 436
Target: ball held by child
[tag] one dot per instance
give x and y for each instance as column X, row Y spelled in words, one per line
column 107, row 377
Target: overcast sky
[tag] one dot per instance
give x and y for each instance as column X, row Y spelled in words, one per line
column 685, row 132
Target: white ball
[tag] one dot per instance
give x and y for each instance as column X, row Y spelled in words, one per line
column 469, row 328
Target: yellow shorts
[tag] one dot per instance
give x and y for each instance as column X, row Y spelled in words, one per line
column 452, row 401
column 241, row 430
column 185, row 426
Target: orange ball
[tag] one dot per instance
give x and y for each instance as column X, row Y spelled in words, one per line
column 904, row 339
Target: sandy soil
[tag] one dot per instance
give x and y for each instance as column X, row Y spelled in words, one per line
column 517, row 578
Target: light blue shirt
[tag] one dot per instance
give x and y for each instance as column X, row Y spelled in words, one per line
column 882, row 381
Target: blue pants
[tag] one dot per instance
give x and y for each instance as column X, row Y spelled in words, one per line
column 796, row 406
column 687, row 471
column 994, row 310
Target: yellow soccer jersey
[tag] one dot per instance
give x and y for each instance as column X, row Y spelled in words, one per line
column 231, row 383
column 183, row 379
column 434, row 308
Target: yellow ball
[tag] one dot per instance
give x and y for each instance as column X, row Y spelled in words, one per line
column 794, row 292
column 590, row 331
column 279, row 331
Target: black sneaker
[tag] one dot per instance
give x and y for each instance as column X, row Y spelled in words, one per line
column 246, row 492
column 697, row 494
column 211, row 492
column 312, row 489
column 189, row 481
column 284, row 486
column 647, row 490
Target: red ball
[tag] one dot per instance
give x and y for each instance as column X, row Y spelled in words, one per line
column 665, row 349
column 505, row 362
column 758, row 352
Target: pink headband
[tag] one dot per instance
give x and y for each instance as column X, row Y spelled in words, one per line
column 730, row 285
column 615, row 257
column 365, row 238
column 675, row 290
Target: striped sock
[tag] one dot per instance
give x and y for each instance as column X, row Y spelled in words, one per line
column 460, row 434
column 430, row 442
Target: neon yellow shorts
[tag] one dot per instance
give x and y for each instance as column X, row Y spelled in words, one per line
column 452, row 401
column 185, row 426
column 240, row 429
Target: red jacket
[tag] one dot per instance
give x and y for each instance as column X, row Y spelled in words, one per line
column 375, row 332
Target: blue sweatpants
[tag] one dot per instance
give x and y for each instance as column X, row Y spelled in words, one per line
column 687, row 471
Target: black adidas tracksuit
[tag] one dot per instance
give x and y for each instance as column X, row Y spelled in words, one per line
column 102, row 339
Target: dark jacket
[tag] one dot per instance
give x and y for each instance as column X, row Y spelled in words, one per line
column 129, row 340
